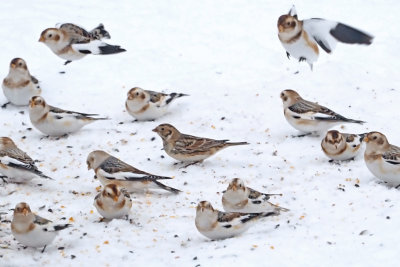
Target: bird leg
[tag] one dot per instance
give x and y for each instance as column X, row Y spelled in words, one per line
column 302, row 59
column 301, row 135
column 67, row 62
column 44, row 248
column 4, row 179
column 192, row 163
column 287, row 54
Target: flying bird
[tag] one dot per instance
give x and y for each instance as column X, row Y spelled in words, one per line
column 301, row 38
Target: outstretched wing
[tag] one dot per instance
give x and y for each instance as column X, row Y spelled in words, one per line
column 327, row 33
column 77, row 34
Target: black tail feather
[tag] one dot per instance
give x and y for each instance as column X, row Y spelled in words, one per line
column 110, row 49
column 170, row 189
column 350, row 35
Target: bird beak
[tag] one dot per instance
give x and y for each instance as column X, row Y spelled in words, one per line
column 13, row 66
column 41, row 39
column 154, row 130
column 366, row 139
column 25, row 211
column 31, row 103
column 234, row 187
column 115, row 198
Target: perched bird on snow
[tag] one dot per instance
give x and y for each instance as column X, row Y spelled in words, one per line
column 382, row 158
column 216, row 224
column 301, row 38
column 309, row 117
column 15, row 164
column 72, row 42
column 113, row 202
column 341, row 146
column 240, row 198
column 19, row 86
column 55, row 121
column 32, row 230
column 188, row 148
column 109, row 169
column 148, row 105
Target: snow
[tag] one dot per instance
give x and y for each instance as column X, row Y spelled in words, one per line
column 228, row 58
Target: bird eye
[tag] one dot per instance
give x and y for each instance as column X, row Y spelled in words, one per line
column 162, row 129
column 137, row 93
column 374, row 137
column 50, row 35
column 20, row 64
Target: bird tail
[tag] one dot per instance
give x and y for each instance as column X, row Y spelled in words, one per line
column 349, row 35
column 60, row 227
column 279, row 209
column 100, row 33
column 45, row 176
column 354, row 121
column 173, row 96
column 97, row 47
column 170, row 189
column 237, row 143
column 276, row 212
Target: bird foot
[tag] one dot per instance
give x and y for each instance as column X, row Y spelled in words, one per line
column 5, row 105
column 67, row 62
column 301, row 135
column 302, row 59
column 187, row 165
column 288, row 55
column 4, row 179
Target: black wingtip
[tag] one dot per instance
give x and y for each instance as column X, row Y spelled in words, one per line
column 350, row 35
column 111, row 49
column 61, row 226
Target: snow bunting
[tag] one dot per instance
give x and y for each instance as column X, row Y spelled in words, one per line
column 72, row 42
column 382, row 158
column 188, row 148
column 113, row 202
column 239, row 198
column 19, row 85
column 341, row 146
column 309, row 117
column 15, row 164
column 32, row 230
column 110, row 170
column 55, row 121
column 301, row 38
column 148, row 105
column 216, row 224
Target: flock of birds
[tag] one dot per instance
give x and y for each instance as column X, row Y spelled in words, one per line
column 242, row 205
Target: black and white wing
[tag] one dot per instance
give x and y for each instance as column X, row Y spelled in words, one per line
column 327, row 33
column 392, row 156
column 113, row 168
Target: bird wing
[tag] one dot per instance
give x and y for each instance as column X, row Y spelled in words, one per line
column 155, row 96
column 113, row 168
column 60, row 113
column 392, row 156
column 232, row 219
column 34, row 80
column 18, row 155
column 326, row 33
column 313, row 111
column 76, row 33
column 40, row 220
column 192, row 144
column 257, row 197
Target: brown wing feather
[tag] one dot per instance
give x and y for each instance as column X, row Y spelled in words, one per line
column 77, row 34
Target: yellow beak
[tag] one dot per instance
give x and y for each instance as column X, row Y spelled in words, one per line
column 115, row 198
column 366, row 139
column 41, row 39
column 25, row 211
column 13, row 66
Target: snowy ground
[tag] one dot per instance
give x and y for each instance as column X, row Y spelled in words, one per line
column 228, row 58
